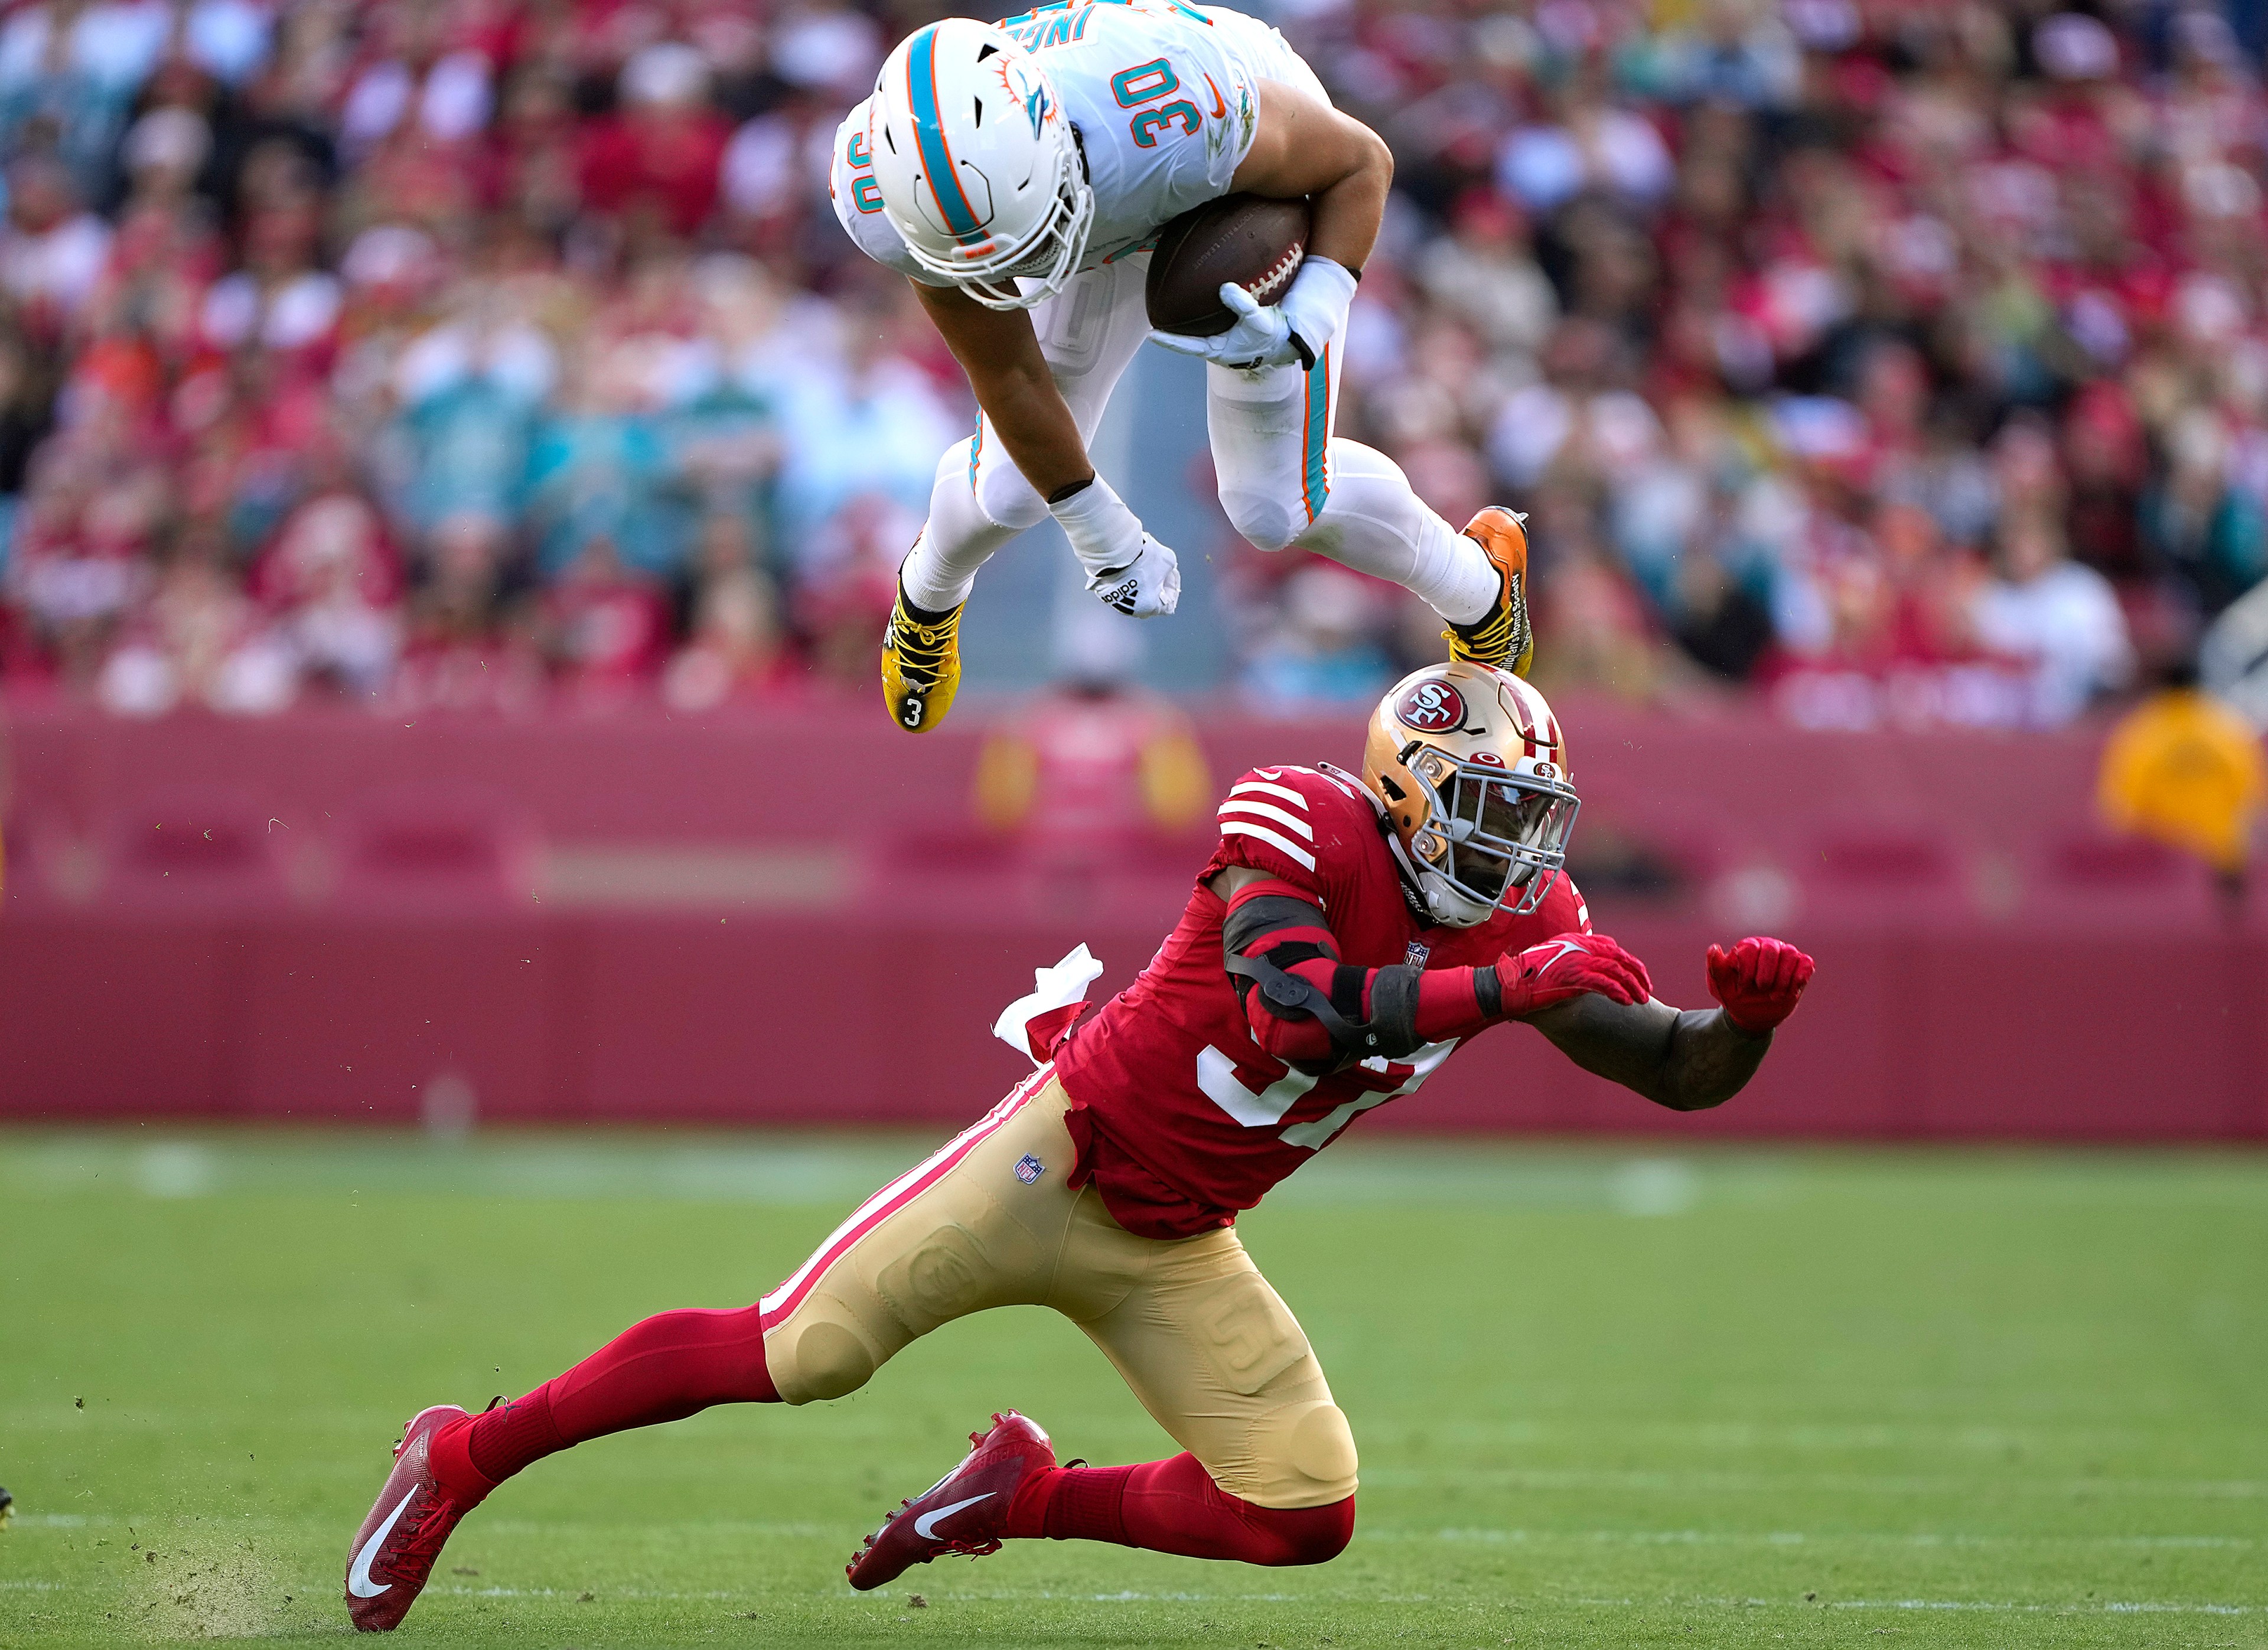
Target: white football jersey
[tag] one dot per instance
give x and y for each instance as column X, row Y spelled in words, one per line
column 1162, row 96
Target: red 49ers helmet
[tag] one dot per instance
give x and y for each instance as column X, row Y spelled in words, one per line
column 1472, row 767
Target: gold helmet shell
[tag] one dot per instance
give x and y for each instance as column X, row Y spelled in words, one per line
column 1472, row 767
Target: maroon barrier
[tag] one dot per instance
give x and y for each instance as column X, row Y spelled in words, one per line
column 783, row 918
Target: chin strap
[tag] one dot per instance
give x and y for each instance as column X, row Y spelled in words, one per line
column 1413, row 876
column 1413, row 885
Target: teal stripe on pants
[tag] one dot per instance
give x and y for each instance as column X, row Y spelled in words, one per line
column 1314, row 481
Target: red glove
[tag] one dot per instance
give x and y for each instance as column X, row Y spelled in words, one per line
column 1566, row 967
column 1758, row 982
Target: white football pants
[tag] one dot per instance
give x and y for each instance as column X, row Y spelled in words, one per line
column 1285, row 479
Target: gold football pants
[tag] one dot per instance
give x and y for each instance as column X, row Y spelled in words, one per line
column 1208, row 1347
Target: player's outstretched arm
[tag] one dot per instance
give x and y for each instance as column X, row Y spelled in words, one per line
column 1318, row 1013
column 1000, row 352
column 1126, row 567
column 1692, row 1059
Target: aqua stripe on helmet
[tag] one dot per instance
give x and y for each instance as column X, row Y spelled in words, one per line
column 928, row 133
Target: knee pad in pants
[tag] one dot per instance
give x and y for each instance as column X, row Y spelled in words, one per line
column 822, row 1352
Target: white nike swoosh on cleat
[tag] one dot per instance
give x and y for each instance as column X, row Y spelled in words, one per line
column 925, row 1526
column 359, row 1577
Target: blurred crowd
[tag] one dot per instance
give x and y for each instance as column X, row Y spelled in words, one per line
column 1904, row 361
column 451, row 352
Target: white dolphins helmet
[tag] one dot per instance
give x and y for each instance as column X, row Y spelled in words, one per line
column 979, row 169
column 1472, row 767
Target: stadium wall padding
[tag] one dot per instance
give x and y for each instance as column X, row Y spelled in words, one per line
column 785, row 918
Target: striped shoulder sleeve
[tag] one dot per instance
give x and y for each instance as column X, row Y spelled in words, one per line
column 1267, row 823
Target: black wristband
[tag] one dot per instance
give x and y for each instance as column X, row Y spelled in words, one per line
column 1488, row 990
column 1394, row 1011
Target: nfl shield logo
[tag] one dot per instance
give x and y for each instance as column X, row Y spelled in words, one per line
column 1030, row 1169
column 1416, row 954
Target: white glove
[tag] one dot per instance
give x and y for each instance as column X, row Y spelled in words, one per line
column 1309, row 321
column 1149, row 589
column 1127, row 568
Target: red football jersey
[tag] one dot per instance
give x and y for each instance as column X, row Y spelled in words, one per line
column 1182, row 1119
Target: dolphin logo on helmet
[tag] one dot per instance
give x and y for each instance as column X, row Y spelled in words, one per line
column 979, row 171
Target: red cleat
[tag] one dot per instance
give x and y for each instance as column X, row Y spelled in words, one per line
column 965, row 1511
column 395, row 1549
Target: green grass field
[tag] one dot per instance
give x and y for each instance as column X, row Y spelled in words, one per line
column 1720, row 1398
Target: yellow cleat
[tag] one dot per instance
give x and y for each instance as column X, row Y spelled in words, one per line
column 921, row 667
column 1500, row 636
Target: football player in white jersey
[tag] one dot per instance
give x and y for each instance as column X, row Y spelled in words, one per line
column 1019, row 175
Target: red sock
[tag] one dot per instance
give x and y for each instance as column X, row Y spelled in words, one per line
column 663, row 1369
column 1175, row 1506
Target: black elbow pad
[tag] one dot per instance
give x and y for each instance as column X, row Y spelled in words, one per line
column 1389, row 1032
column 1393, row 1028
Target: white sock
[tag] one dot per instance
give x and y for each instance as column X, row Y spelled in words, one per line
column 1373, row 523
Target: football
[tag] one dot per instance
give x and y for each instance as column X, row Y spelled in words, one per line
column 1255, row 243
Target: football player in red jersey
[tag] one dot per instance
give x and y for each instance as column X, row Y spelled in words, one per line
column 1349, row 931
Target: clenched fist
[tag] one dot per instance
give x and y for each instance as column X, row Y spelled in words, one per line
column 1758, row 982
column 1566, row 967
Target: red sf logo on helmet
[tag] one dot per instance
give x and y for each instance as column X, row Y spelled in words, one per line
column 1432, row 707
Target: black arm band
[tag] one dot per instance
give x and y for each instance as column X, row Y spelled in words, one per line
column 1389, row 1032
column 1390, row 1029
column 1263, row 914
column 1488, row 990
column 1394, row 1010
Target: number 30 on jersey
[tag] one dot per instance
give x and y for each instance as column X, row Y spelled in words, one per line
column 1146, row 82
